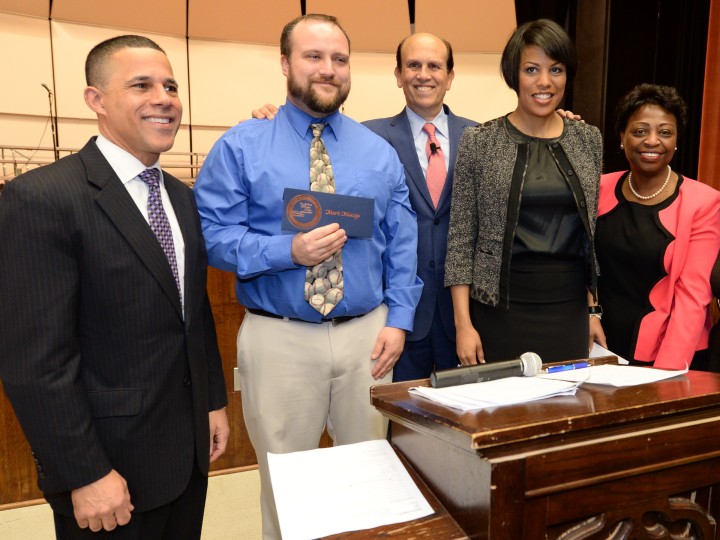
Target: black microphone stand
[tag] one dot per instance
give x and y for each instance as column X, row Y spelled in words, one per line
column 53, row 123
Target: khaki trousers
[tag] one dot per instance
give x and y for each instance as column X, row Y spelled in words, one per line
column 298, row 377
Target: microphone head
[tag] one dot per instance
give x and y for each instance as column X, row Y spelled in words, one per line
column 532, row 364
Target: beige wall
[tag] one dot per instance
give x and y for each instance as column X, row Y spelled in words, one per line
column 222, row 80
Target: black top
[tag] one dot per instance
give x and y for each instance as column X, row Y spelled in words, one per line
column 548, row 222
column 630, row 242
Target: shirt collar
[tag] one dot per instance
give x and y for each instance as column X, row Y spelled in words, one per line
column 125, row 165
column 417, row 122
column 301, row 121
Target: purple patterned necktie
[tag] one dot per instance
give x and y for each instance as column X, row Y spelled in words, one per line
column 159, row 222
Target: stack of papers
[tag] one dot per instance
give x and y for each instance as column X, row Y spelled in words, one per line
column 508, row 391
column 613, row 375
column 345, row 488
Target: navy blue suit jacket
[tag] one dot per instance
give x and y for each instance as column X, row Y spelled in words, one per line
column 433, row 223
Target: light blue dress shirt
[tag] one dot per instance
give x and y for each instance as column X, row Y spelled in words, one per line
column 239, row 192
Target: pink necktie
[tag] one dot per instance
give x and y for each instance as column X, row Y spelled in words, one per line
column 436, row 172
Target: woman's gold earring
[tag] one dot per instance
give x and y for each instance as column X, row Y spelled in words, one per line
column 622, row 146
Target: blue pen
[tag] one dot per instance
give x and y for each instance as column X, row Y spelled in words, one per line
column 568, row 367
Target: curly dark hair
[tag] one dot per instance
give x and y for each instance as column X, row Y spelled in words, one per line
column 666, row 97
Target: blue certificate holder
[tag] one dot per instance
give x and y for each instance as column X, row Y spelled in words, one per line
column 307, row 210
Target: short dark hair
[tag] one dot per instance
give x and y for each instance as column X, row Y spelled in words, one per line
column 286, row 48
column 99, row 54
column 450, row 63
column 666, row 97
column 547, row 35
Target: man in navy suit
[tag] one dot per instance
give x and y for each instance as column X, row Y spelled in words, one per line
column 424, row 71
column 108, row 351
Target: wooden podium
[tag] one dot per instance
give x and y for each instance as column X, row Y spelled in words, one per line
column 640, row 462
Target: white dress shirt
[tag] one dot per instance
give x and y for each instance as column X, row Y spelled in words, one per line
column 128, row 167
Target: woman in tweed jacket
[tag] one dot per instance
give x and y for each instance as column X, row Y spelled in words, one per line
column 520, row 260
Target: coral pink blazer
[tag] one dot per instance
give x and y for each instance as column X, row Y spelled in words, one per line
column 680, row 322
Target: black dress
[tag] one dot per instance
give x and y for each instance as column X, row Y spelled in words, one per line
column 630, row 242
column 548, row 295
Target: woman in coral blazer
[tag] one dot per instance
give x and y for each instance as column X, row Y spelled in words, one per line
column 657, row 238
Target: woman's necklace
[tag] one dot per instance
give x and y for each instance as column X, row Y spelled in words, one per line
column 658, row 192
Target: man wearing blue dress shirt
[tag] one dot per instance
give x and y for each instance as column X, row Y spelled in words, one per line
column 301, row 370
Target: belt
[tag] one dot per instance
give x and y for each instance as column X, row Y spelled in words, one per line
column 334, row 320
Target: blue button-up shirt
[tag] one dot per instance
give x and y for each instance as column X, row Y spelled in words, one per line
column 239, row 192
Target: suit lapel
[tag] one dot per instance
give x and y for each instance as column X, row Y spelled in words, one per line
column 185, row 213
column 456, row 126
column 401, row 138
column 117, row 204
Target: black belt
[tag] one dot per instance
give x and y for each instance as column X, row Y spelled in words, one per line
column 334, row 320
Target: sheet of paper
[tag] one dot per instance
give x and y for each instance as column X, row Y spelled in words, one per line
column 597, row 351
column 612, row 375
column 507, row 391
column 345, row 488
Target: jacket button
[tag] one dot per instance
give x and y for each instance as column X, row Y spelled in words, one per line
column 570, row 172
column 437, row 222
column 582, row 204
column 187, row 380
column 432, row 264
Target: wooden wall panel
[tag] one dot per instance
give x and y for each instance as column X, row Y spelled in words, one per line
column 373, row 25
column 709, row 160
column 17, row 469
column 240, row 20
column 26, row 63
column 34, row 8
column 231, row 80
column 165, row 17
column 470, row 25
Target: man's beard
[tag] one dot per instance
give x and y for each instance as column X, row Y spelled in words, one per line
column 312, row 100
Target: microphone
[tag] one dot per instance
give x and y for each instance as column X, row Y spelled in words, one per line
column 434, row 148
column 528, row 365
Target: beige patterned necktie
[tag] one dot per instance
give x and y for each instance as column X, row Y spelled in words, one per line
column 323, row 282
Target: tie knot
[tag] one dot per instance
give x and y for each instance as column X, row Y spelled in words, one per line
column 429, row 129
column 151, row 177
column 317, row 129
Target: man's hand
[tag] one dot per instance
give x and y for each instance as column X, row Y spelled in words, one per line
column 104, row 504
column 569, row 115
column 387, row 350
column 219, row 433
column 266, row 112
column 311, row 248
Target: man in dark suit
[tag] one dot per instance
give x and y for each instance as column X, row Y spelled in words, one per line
column 108, row 350
column 425, row 73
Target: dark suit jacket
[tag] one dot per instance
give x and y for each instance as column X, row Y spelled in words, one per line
column 433, row 223
column 100, row 366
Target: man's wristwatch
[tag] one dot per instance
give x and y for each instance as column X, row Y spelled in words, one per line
column 595, row 311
